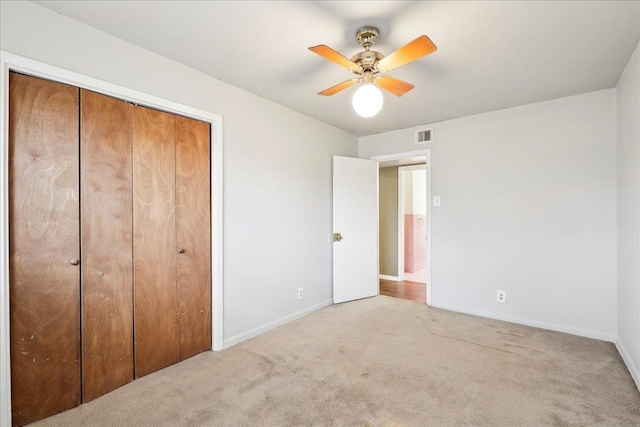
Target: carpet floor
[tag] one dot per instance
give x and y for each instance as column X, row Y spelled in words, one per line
column 382, row 362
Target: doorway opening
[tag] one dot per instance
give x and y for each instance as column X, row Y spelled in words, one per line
column 404, row 219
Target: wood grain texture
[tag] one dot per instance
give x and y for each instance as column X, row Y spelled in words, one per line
column 106, row 239
column 413, row 291
column 413, row 50
column 193, row 232
column 327, row 53
column 43, row 236
column 395, row 86
column 339, row 87
column 154, row 246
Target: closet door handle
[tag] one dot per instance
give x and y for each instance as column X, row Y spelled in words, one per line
column 181, row 250
column 74, row 261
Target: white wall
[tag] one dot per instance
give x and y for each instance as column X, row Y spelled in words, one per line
column 388, row 214
column 628, row 109
column 419, row 192
column 415, row 188
column 408, row 192
column 277, row 216
column 528, row 206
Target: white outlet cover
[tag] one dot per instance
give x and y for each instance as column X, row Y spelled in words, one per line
column 501, row 296
column 436, row 201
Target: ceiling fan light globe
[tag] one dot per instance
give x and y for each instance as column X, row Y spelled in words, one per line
column 367, row 100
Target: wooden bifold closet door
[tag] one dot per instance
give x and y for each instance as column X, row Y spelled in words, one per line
column 193, row 231
column 172, row 245
column 110, row 250
column 106, row 242
column 154, row 166
column 44, row 248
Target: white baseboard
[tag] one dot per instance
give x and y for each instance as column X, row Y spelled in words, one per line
column 392, row 278
column 271, row 325
column 633, row 369
column 528, row 322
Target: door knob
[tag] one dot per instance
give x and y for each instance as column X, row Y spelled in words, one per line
column 74, row 261
column 337, row 237
column 181, row 250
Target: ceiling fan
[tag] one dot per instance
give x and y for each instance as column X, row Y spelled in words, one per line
column 370, row 67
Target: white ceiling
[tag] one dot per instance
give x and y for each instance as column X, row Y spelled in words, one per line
column 491, row 54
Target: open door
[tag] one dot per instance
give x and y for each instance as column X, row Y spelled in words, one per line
column 355, row 229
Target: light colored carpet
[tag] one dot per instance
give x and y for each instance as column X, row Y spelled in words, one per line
column 382, row 362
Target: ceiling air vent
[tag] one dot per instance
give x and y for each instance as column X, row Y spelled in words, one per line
column 423, row 136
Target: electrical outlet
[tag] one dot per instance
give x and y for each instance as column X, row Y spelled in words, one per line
column 300, row 293
column 502, row 296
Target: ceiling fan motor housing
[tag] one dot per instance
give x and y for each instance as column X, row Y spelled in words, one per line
column 367, row 60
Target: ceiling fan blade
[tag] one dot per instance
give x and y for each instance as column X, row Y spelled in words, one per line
column 327, row 53
column 395, row 86
column 337, row 88
column 422, row 46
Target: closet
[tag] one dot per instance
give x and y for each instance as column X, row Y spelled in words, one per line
column 109, row 243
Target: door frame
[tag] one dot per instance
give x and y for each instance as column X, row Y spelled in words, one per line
column 400, row 156
column 12, row 62
column 401, row 201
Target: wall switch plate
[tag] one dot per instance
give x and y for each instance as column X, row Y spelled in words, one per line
column 502, row 297
column 436, row 201
column 300, row 293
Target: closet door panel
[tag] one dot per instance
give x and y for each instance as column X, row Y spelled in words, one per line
column 107, row 253
column 193, row 230
column 44, row 226
column 154, row 240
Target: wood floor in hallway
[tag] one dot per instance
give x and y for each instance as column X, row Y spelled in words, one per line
column 412, row 291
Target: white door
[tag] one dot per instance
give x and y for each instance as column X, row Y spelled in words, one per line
column 355, row 219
